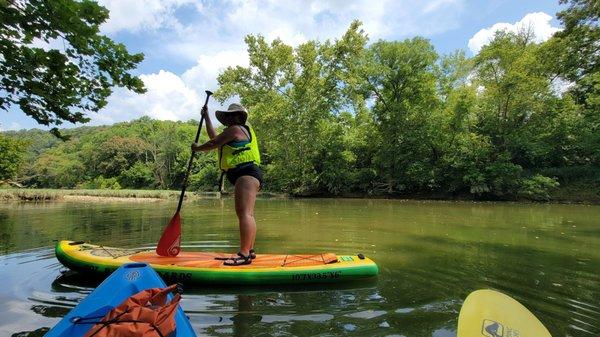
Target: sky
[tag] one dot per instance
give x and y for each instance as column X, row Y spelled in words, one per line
column 188, row 42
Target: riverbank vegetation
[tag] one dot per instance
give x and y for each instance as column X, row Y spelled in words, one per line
column 49, row 194
column 519, row 120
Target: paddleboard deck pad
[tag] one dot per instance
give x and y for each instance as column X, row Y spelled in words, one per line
column 203, row 268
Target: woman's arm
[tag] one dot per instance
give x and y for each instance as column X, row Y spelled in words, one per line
column 210, row 130
column 224, row 137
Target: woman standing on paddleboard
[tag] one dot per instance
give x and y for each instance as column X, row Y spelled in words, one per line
column 239, row 158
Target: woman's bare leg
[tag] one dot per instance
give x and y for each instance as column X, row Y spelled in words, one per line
column 246, row 188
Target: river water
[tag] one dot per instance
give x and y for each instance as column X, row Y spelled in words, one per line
column 431, row 255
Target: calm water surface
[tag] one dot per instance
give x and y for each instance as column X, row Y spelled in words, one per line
column 431, row 256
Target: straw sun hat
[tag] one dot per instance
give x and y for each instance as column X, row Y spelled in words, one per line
column 235, row 111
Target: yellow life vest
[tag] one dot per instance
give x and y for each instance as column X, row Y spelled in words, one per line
column 232, row 156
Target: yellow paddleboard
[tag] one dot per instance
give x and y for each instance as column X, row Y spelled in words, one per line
column 488, row 313
column 208, row 267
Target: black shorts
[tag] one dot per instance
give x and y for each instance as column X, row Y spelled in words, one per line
column 246, row 169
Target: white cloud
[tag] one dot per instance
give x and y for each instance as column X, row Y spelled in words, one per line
column 328, row 19
column 223, row 25
column 134, row 15
column 437, row 4
column 539, row 23
column 204, row 74
column 169, row 96
column 288, row 35
column 12, row 127
column 209, row 36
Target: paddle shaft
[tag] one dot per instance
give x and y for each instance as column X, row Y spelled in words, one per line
column 191, row 162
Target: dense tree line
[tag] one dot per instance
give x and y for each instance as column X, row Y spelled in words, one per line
column 353, row 116
column 144, row 153
column 394, row 117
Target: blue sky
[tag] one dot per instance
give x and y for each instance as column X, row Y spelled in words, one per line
column 187, row 42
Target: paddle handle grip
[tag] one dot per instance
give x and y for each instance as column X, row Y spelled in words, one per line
column 208, row 93
column 191, row 162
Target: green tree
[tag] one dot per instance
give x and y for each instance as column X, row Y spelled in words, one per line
column 139, row 175
column 169, row 150
column 58, row 169
column 517, row 110
column 12, row 153
column 574, row 54
column 579, row 43
column 54, row 85
column 401, row 76
column 118, row 154
column 465, row 152
column 294, row 95
column 452, row 72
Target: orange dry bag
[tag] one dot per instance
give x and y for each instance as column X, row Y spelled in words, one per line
column 145, row 314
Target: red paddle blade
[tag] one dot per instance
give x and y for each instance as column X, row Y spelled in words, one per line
column 170, row 241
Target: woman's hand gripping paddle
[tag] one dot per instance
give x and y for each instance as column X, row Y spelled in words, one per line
column 170, row 241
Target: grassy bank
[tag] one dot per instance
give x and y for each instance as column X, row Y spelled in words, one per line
column 49, row 194
column 31, row 194
column 574, row 193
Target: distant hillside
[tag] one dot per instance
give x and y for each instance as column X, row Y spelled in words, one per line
column 143, row 153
